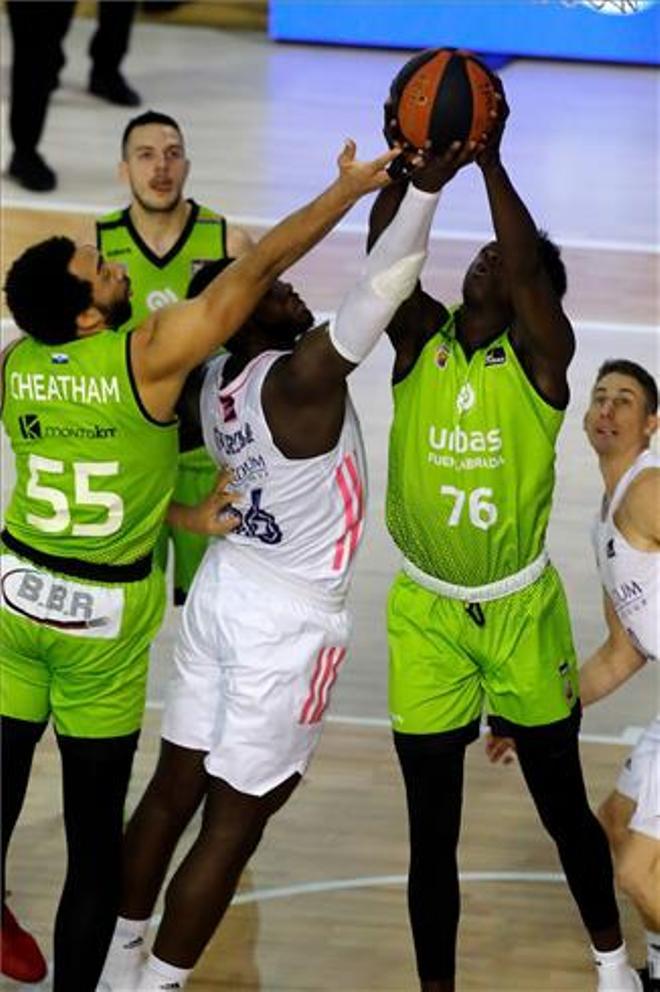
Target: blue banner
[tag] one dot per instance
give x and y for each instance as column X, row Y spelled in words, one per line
column 601, row 30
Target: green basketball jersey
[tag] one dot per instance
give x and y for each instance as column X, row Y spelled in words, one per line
column 156, row 281
column 94, row 473
column 471, row 462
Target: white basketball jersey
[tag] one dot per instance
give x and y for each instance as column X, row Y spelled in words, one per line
column 304, row 517
column 631, row 577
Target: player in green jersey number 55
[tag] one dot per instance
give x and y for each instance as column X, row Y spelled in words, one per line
column 90, row 417
column 477, row 612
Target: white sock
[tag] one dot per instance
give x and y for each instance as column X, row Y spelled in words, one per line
column 158, row 975
column 614, row 971
column 653, row 953
column 125, row 955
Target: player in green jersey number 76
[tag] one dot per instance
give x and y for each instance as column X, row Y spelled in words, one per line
column 162, row 239
column 477, row 612
column 90, row 417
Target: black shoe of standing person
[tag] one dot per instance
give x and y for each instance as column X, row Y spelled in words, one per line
column 112, row 86
column 30, row 170
column 650, row 984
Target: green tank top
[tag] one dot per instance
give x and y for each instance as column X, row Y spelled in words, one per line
column 471, row 462
column 155, row 281
column 94, row 473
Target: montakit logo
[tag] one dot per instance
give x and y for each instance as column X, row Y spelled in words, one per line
column 32, row 429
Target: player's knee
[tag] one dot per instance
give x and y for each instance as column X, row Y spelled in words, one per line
column 612, row 822
column 634, row 878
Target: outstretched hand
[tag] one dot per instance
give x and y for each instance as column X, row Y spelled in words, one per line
column 363, row 177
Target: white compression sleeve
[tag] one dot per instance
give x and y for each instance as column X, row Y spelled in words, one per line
column 392, row 270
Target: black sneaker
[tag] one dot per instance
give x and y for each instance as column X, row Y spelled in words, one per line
column 113, row 88
column 649, row 984
column 30, row 170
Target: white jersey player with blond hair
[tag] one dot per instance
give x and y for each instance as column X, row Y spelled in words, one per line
column 265, row 629
column 620, row 422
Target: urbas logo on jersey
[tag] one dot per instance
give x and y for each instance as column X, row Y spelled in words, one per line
column 460, row 441
column 609, row 548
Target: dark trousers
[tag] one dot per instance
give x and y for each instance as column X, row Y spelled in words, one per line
column 110, row 42
column 38, row 31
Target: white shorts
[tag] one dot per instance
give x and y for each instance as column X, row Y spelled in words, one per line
column 254, row 666
column 640, row 781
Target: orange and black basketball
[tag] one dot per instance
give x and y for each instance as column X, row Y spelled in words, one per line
column 443, row 95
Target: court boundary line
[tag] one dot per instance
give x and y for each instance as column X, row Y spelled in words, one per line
column 350, row 227
column 379, row 881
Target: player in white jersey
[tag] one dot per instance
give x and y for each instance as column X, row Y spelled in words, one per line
column 265, row 629
column 620, row 421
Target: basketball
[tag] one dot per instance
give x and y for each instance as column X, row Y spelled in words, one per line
column 443, row 95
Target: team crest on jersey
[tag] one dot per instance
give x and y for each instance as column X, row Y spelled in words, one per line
column 442, row 356
column 466, row 398
column 59, row 358
column 495, row 356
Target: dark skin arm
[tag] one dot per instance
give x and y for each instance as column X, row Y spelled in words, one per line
column 419, row 317
column 542, row 333
column 304, row 396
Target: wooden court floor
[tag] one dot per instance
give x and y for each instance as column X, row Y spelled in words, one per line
column 322, row 906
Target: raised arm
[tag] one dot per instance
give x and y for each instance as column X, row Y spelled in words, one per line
column 304, row 395
column 177, row 338
column 612, row 663
column 419, row 315
column 542, row 331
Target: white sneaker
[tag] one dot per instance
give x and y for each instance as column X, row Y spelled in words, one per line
column 628, row 981
column 123, row 965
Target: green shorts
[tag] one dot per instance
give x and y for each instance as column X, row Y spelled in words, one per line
column 76, row 650
column 444, row 666
column 196, row 475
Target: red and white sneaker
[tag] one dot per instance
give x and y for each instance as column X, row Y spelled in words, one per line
column 20, row 957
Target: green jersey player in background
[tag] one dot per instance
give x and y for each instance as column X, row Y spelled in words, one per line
column 90, row 417
column 478, row 613
column 162, row 239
